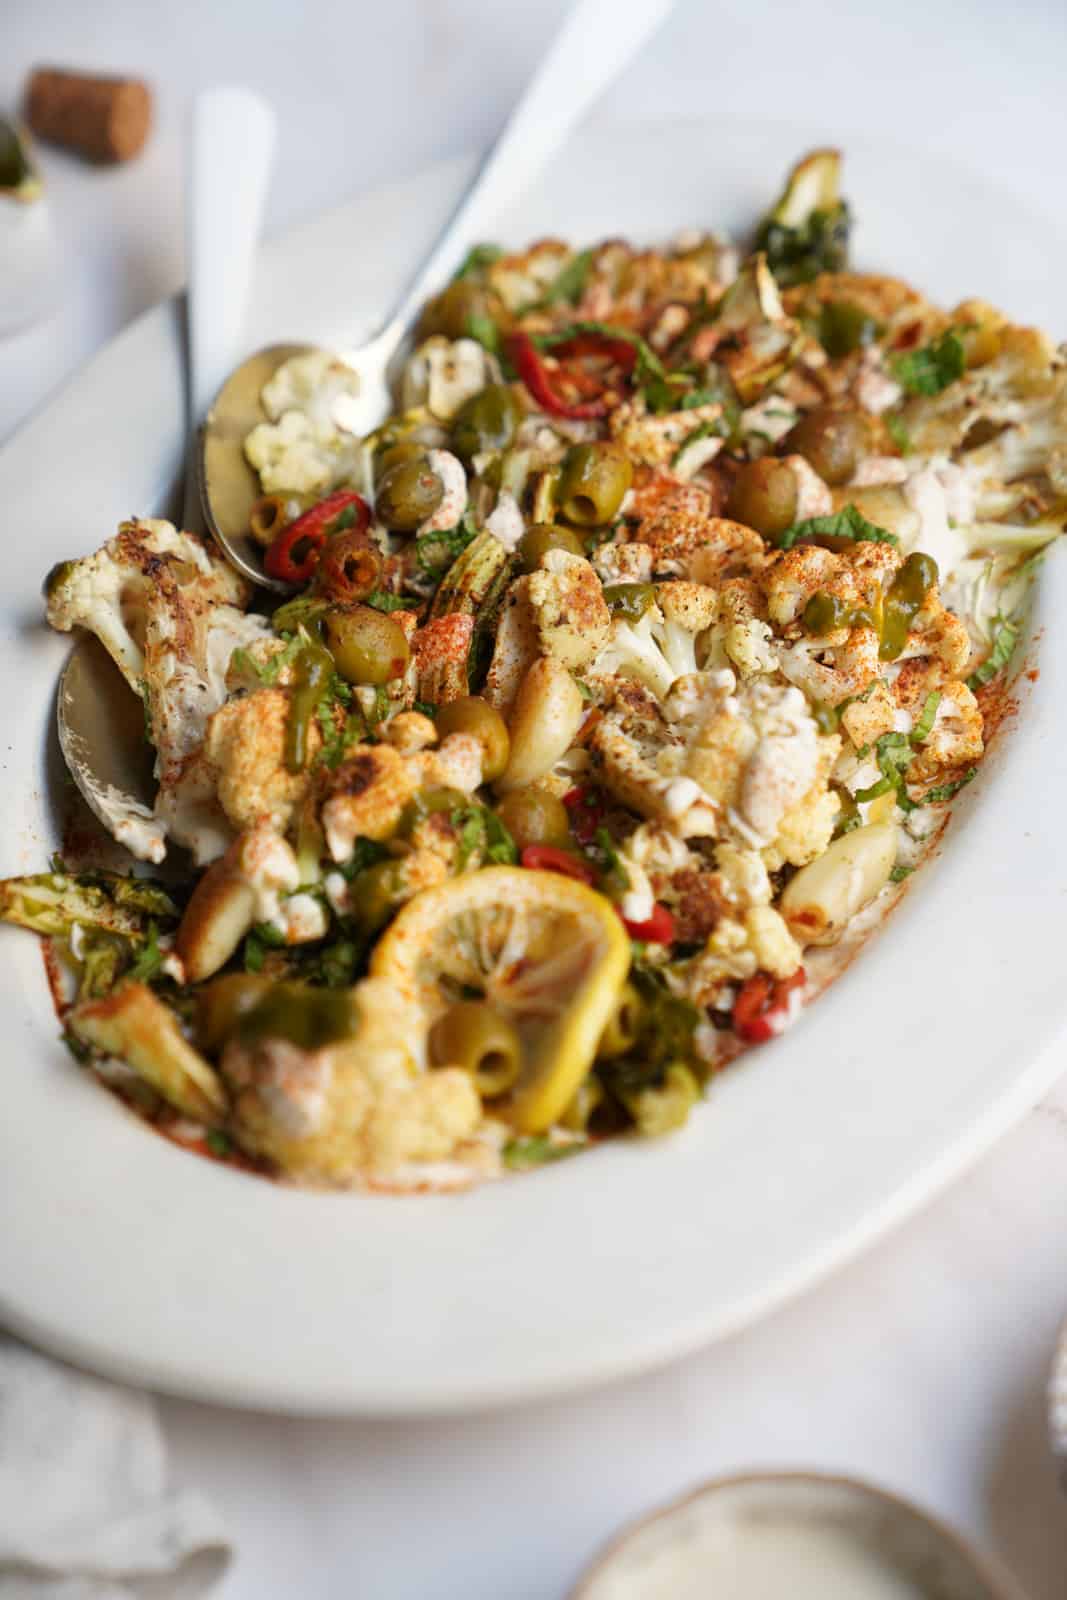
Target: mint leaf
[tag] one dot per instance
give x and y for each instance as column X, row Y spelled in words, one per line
column 931, row 368
column 535, row 1151
column 1005, row 638
column 844, row 524
column 478, row 257
column 899, row 434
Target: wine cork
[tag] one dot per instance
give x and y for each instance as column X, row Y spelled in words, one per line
column 103, row 119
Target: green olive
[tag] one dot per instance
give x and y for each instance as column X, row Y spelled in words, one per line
column 537, row 541
column 470, row 714
column 473, row 1036
column 222, row 1003
column 368, row 646
column 844, row 326
column 307, row 1017
column 905, row 597
column 624, row 1029
column 764, row 497
column 487, row 421
column 458, row 310
column 831, row 440
column 593, row 483
column 395, row 455
column 409, row 493
column 533, row 816
column 824, row 613
column 376, row 893
column 630, row 600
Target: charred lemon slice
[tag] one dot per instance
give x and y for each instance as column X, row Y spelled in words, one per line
column 546, row 952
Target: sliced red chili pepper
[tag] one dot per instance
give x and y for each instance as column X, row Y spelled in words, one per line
column 294, row 554
column 549, row 858
column 762, row 1008
column 622, row 352
column 585, row 811
column 535, row 375
column 656, row 929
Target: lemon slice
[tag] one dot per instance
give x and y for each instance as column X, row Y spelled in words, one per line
column 548, row 953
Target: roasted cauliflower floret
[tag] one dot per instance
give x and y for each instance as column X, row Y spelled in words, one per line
column 738, row 948
column 692, row 544
column 741, row 636
column 623, row 563
column 365, row 797
column 351, row 1102
column 658, row 440
column 245, row 750
column 661, row 645
column 754, row 750
column 307, row 446
column 570, row 613
column 442, row 374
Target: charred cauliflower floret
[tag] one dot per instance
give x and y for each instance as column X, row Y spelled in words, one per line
column 570, row 614
column 659, row 440
column 830, row 667
column 741, row 637
column 325, row 1085
column 688, row 543
column 758, row 940
column 245, row 750
column 365, row 797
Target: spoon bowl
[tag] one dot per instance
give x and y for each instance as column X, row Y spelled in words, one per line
column 229, row 487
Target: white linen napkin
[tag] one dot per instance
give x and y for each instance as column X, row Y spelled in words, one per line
column 85, row 1509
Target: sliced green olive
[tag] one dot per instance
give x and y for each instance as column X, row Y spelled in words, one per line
column 458, row 311
column 630, row 600
column 222, row 1003
column 308, row 1017
column 487, row 421
column 368, row 646
column 593, row 483
column 537, row 541
column 408, row 493
column 396, row 455
column 844, row 326
column 376, row 893
column 470, row 714
column 831, row 440
column 473, row 1036
column 312, row 672
column 533, row 816
column 764, row 497
column 904, row 599
column 624, row 1029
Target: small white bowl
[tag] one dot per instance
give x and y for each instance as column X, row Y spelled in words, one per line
column 692, row 1545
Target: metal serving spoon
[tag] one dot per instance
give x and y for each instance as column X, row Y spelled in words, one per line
column 598, row 38
column 100, row 722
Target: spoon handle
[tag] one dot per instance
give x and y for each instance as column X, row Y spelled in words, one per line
column 231, row 154
column 596, row 41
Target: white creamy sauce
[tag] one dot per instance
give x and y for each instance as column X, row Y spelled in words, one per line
column 765, row 1559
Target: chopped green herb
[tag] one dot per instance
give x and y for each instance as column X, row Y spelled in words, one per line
column 1005, row 638
column 844, row 524
column 427, row 708
column 77, row 1047
column 900, row 872
column 927, row 716
column 647, row 365
column 482, row 834
column 388, row 602
column 365, row 853
column 704, row 431
column 945, row 791
column 898, row 433
column 614, row 878
column 484, row 329
column 536, row 1150
column 435, row 552
column 261, row 939
column 933, row 367
column 149, row 961
column 217, row 1142
column 893, row 753
column 269, row 671
column 569, row 283
column 478, row 257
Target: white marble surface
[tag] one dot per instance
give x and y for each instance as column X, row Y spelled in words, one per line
column 924, row 1364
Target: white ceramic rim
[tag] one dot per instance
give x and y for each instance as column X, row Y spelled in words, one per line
column 134, row 1258
column 982, row 1566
